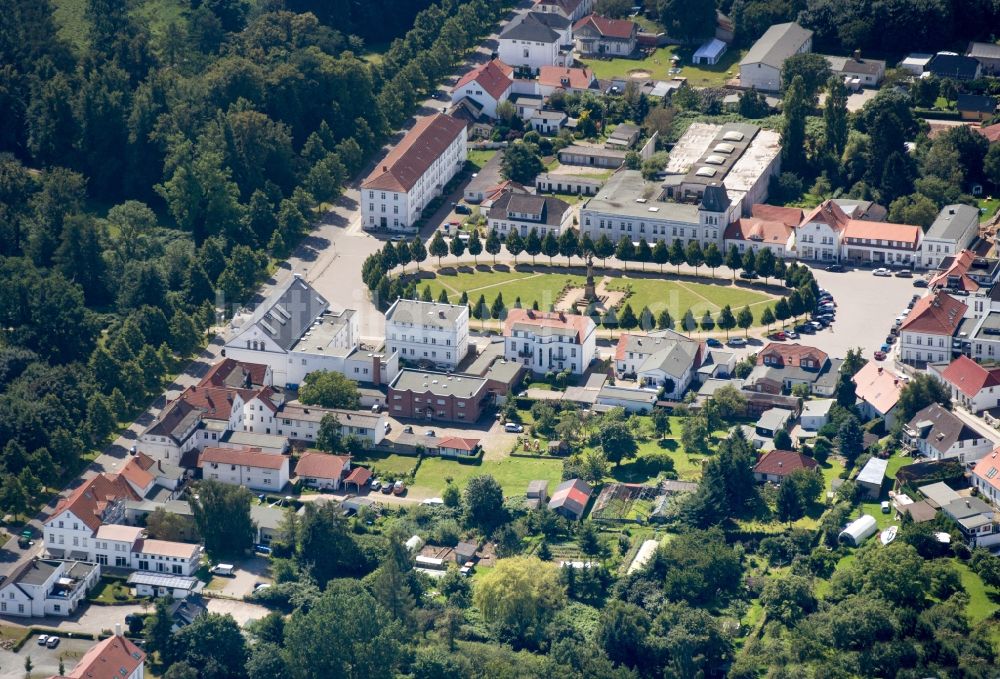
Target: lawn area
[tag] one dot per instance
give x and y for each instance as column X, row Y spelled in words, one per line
column 831, row 470
column 157, row 14
column 658, row 65
column 991, row 205
column 479, row 157
column 111, row 592
column 897, row 462
column 680, row 295
column 530, row 287
column 982, row 599
column 513, row 473
column 875, row 509
column 545, row 288
column 659, row 456
column 387, row 464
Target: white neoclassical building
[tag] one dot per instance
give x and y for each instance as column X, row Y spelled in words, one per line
column 428, row 332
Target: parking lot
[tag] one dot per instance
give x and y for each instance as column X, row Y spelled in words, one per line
column 45, row 661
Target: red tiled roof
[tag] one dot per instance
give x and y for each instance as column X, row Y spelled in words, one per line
column 114, row 657
column 609, row 28
column 829, row 213
column 783, row 463
column 988, row 469
column 222, row 374
column 358, row 476
column 245, row 457
column 459, row 443
column 89, row 501
column 134, row 472
column 547, row 319
column 937, row 314
column 900, row 233
column 759, row 230
column 969, row 377
column 991, row 132
column 560, row 76
column 791, row 355
column 959, row 268
column 216, row 402
column 422, row 145
column 494, row 76
column 877, row 387
column 792, row 216
column 321, row 465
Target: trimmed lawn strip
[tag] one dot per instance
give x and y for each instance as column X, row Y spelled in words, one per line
column 387, row 464
column 512, row 473
column 982, row 598
column 659, row 63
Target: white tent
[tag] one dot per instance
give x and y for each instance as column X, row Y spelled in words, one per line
column 859, row 530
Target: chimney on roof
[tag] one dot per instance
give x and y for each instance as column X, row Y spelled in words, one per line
column 385, row 168
column 880, row 370
column 118, row 629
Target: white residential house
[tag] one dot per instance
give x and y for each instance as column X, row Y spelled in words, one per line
column 549, row 341
column 487, row 85
column 323, row 471
column 939, row 434
column 926, row 333
column 294, row 332
column 535, row 39
column 248, row 467
column 599, row 36
column 394, row 195
column 972, row 386
column 302, row 422
column 955, row 228
column 818, row 237
column 569, row 9
column 761, row 67
column 522, row 211
column 47, row 587
column 815, row 413
column 428, row 332
column 878, row 392
column 986, row 478
column 659, row 359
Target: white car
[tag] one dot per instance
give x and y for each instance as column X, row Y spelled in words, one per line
column 737, row 342
column 881, row 272
column 43, row 639
column 513, row 428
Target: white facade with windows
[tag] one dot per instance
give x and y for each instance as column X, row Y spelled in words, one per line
column 42, row 587
column 544, row 342
column 428, row 331
column 301, row 423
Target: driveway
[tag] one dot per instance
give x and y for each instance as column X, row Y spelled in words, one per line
column 246, row 575
column 45, row 661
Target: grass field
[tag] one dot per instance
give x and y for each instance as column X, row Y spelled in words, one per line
column 659, row 63
column 982, row 599
column 657, row 293
column 513, row 473
column 991, row 205
column 157, row 14
column 479, row 157
column 387, row 464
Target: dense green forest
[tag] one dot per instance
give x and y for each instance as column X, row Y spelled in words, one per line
column 148, row 179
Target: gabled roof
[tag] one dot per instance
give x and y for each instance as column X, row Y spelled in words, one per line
column 134, row 472
column 778, row 43
column 175, row 419
column 216, row 403
column 783, row 463
column 883, row 231
column 413, row 156
column 288, row 313
column 988, row 469
column 536, row 27
column 937, row 314
column 572, row 495
column 715, row 198
column 941, row 428
column 571, row 78
column 877, row 387
column 983, row 50
column 792, row 216
column 459, row 443
column 969, row 377
column 618, row 29
column 235, row 374
column 551, row 209
column 791, row 355
column 89, row 501
column 495, row 77
column 953, row 222
column 991, row 132
column 321, row 465
column 114, row 657
column 358, row 476
column 567, row 7
column 244, row 457
column 977, row 103
column 758, row 230
column 953, row 65
column 956, row 275
column 830, row 214
column 548, row 323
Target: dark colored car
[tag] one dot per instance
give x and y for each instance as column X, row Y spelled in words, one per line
column 920, row 282
column 836, row 268
column 463, row 209
column 712, row 342
column 805, row 329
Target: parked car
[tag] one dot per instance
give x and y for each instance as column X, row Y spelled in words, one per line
column 227, row 570
column 881, row 272
column 42, row 639
column 263, row 550
column 920, row 282
column 778, row 336
column 886, row 348
column 429, row 432
column 904, row 273
column 714, row 343
column 835, row 268
column 52, row 642
column 879, row 355
column 513, row 428
column 386, row 488
column 816, row 324
column 805, row 328
column 463, row 209
column 376, row 484
column 398, row 238
column 407, row 429
column 398, row 488
column 890, row 339
column 791, row 334
column 737, row 342
column 885, row 507
column 748, row 275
